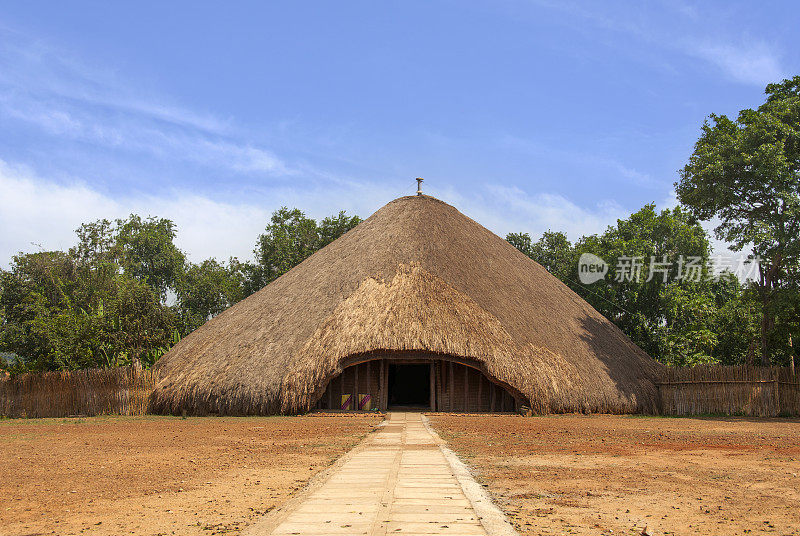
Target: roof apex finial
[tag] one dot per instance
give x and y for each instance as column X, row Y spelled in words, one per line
column 419, row 185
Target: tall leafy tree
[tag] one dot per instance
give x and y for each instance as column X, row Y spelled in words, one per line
column 143, row 248
column 746, row 173
column 97, row 243
column 291, row 237
column 147, row 251
column 36, row 285
column 60, row 314
column 671, row 317
column 735, row 322
column 247, row 276
column 333, row 227
column 206, row 289
column 639, row 294
column 553, row 251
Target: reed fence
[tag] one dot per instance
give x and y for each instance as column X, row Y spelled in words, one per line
column 730, row 390
column 117, row 391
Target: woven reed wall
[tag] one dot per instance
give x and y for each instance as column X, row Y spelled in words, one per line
column 463, row 389
column 363, row 378
column 730, row 390
column 119, row 391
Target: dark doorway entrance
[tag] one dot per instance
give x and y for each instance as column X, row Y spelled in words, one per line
column 410, row 385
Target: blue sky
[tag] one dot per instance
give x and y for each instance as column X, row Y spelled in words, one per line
column 526, row 115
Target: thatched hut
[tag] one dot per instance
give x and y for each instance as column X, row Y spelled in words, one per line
column 417, row 306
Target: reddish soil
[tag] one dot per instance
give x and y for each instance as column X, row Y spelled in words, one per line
column 161, row 475
column 605, row 474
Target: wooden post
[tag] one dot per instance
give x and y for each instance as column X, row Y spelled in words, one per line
column 341, row 389
column 466, row 388
column 330, row 394
column 439, row 372
column 492, row 395
column 480, row 389
column 355, row 387
column 382, row 389
column 433, row 387
column 777, row 394
column 369, row 383
column 452, row 387
column 386, row 385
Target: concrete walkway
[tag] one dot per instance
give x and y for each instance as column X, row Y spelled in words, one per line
column 400, row 483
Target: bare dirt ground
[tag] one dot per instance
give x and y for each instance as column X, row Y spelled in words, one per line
column 605, row 474
column 161, row 475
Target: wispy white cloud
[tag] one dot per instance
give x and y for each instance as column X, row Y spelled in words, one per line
column 138, row 135
column 680, row 27
column 612, row 165
column 37, row 212
column 539, row 212
column 42, row 70
column 506, row 209
column 64, row 97
column 750, row 63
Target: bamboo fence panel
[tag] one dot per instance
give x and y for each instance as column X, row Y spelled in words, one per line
column 118, row 391
column 730, row 390
column 789, row 384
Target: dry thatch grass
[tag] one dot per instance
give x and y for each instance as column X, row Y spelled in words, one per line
column 416, row 276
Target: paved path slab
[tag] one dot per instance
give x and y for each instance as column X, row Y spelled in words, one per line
column 400, row 483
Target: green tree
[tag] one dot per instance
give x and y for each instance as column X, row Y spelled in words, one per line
column 746, row 173
column 333, row 227
column 521, row 241
column 60, row 314
column 205, row 290
column 737, row 326
column 37, row 285
column 553, row 251
column 143, row 248
column 290, row 238
column 147, row 252
column 247, row 276
column 670, row 317
column 686, row 336
column 137, row 324
column 97, row 243
column 636, row 299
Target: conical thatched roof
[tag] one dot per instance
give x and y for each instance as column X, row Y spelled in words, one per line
column 416, row 275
